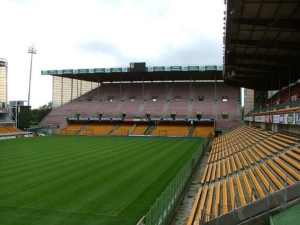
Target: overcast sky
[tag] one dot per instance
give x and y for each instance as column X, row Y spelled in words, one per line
column 74, row 34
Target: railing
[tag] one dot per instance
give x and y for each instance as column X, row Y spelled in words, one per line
column 165, row 206
column 289, row 104
column 254, row 208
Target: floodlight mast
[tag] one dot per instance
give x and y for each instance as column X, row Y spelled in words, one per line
column 31, row 50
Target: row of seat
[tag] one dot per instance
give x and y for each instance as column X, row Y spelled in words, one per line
column 241, row 169
column 104, row 129
column 8, row 129
column 237, row 191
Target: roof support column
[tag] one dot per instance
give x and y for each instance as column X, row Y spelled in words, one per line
column 120, row 87
column 271, row 92
column 190, row 87
column 279, row 88
column 166, row 86
column 143, row 89
column 98, row 89
column 290, row 71
column 72, row 83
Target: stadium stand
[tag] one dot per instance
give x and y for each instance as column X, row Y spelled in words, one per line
column 72, row 129
column 248, row 172
column 12, row 129
column 3, row 130
column 109, row 109
column 122, row 130
column 171, row 130
column 140, row 129
column 157, row 100
column 202, row 130
column 180, row 107
column 283, row 96
column 9, row 129
column 101, row 129
column 67, row 110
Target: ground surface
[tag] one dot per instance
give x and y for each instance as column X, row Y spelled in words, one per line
column 86, row 180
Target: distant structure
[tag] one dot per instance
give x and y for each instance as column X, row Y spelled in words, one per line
column 15, row 113
column 3, row 85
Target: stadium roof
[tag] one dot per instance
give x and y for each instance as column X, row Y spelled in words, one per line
column 156, row 73
column 262, row 43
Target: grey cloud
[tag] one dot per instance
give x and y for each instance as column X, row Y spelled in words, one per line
column 203, row 52
column 200, row 51
column 103, row 47
column 98, row 46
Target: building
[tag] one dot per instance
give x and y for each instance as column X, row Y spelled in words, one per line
column 3, row 83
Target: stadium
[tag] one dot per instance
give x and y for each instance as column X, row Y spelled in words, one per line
column 167, row 144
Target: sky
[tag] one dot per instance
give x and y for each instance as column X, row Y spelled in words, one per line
column 75, row 34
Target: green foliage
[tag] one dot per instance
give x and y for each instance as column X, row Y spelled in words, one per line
column 37, row 115
column 86, row 180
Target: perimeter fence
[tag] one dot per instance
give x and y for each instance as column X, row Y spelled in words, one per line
column 165, row 206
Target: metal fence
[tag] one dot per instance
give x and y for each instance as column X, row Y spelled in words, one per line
column 284, row 105
column 165, row 206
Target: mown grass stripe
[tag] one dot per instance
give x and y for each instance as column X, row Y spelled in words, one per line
column 84, row 176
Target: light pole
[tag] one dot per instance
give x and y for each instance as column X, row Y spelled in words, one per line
column 31, row 50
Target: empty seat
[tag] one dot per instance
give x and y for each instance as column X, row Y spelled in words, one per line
column 297, row 150
column 271, row 176
column 213, row 173
column 287, row 168
column 267, row 183
column 290, row 161
column 248, row 187
column 248, row 158
column 204, row 174
column 209, row 202
column 258, row 152
column 265, row 151
column 253, row 155
column 293, row 155
column 232, row 193
column 240, row 190
column 217, row 201
column 286, row 140
column 208, row 173
column 280, row 172
column 194, row 208
column 233, row 164
column 202, row 203
column 225, row 198
column 256, row 184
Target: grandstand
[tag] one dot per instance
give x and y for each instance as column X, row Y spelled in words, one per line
column 153, row 102
column 244, row 171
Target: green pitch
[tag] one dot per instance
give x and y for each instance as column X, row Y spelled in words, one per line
column 86, row 180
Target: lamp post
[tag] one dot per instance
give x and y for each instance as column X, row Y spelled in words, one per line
column 31, row 50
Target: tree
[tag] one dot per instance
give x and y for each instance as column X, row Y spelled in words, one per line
column 37, row 115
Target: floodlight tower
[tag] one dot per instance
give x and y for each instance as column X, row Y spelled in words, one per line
column 31, row 50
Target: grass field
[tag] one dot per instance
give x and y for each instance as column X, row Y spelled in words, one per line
column 86, row 180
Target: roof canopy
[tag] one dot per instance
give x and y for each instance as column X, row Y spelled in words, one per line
column 158, row 73
column 262, row 43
